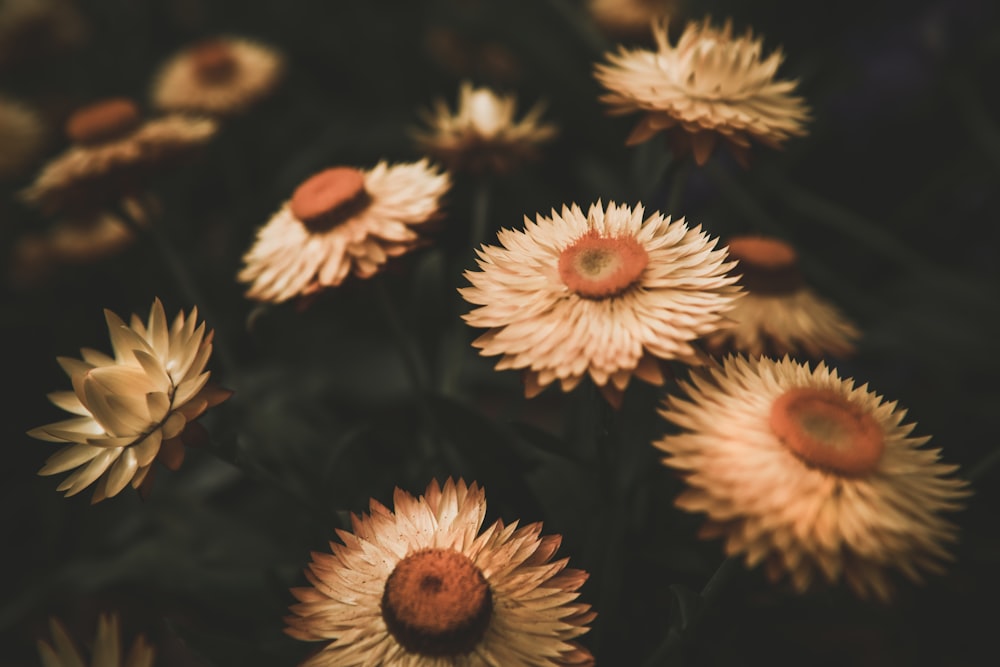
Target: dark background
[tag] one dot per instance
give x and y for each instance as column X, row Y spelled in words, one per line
column 891, row 200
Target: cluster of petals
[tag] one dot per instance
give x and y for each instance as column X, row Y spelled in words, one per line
column 552, row 332
column 534, row 618
column 131, row 408
column 874, row 506
column 483, row 133
column 291, row 258
column 106, row 650
column 710, row 86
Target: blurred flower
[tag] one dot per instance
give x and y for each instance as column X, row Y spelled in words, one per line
column 710, row 86
column 810, row 475
column 31, row 30
column 132, row 408
column 220, row 76
column 22, row 136
column 106, row 651
column 630, row 19
column 780, row 314
column 482, row 135
column 464, row 56
column 603, row 294
column 339, row 221
column 114, row 154
column 421, row 586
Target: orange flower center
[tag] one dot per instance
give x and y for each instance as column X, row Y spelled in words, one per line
column 769, row 266
column 102, row 122
column 330, row 197
column 826, row 431
column 213, row 62
column 597, row 267
column 437, row 603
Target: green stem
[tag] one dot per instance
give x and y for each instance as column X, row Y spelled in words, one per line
column 985, row 465
column 581, row 25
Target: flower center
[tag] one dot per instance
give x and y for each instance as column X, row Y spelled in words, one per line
column 769, row 266
column 330, row 197
column 437, row 603
column 213, row 62
column 103, row 121
column 597, row 267
column 826, row 431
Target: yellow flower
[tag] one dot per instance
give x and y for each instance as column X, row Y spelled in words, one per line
column 106, row 651
column 131, row 408
column 711, row 86
column 604, row 294
column 810, row 475
column 219, row 77
column 780, row 314
column 422, row 586
column 342, row 220
column 482, row 134
column 114, row 154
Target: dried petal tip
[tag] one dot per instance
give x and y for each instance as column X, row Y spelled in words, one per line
column 103, row 121
column 769, row 266
column 437, row 602
column 826, row 431
column 329, row 197
column 214, row 62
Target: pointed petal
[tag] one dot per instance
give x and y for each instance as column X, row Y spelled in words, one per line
column 121, row 472
column 68, row 458
column 69, row 401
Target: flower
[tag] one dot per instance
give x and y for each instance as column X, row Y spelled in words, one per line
column 32, row 30
column 339, row 221
column 106, row 651
column 604, row 294
column 780, row 314
column 132, row 408
column 422, row 586
column 710, row 86
column 482, row 134
column 114, row 154
column 629, row 19
column 22, row 136
column 814, row 477
column 219, row 77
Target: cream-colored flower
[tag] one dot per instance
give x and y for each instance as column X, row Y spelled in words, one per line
column 780, row 314
column 604, row 294
column 219, row 77
column 106, row 651
column 131, row 408
column 114, row 155
column 22, row 136
column 810, row 475
column 422, row 586
column 35, row 29
column 711, row 86
column 483, row 135
column 342, row 220
column 630, row 19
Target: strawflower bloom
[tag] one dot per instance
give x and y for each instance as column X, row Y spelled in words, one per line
column 810, row 475
column 22, row 135
column 605, row 294
column 106, row 650
column 710, row 87
column 342, row 220
column 780, row 314
column 483, row 135
column 422, row 586
column 219, row 77
column 132, row 408
column 113, row 156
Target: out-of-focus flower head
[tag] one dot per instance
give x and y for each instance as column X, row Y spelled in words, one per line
column 606, row 295
column 811, row 476
column 711, row 86
column 422, row 585
column 131, row 408
column 22, row 136
column 220, row 77
column 106, row 651
column 630, row 19
column 341, row 221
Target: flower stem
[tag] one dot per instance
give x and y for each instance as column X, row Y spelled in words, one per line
column 581, row 25
column 985, row 465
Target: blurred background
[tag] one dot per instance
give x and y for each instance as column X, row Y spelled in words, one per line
column 891, row 200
